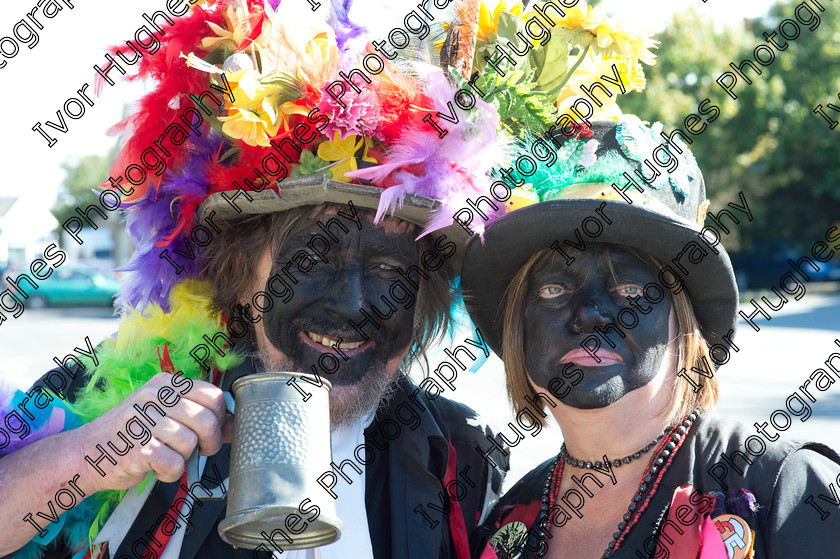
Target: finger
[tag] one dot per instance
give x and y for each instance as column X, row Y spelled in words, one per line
column 202, row 422
column 176, row 436
column 209, row 396
column 167, row 465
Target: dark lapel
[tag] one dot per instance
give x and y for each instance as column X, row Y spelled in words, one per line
column 399, row 480
column 156, row 505
column 205, row 516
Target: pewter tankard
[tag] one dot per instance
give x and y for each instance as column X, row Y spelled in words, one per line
column 281, row 443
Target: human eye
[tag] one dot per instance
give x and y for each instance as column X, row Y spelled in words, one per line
column 629, row 290
column 387, row 267
column 551, row 291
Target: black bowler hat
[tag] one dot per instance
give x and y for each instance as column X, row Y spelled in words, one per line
column 662, row 220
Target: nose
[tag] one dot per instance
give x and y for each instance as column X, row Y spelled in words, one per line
column 345, row 294
column 590, row 311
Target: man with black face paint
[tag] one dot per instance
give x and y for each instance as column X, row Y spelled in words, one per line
column 616, row 346
column 324, row 314
column 357, row 311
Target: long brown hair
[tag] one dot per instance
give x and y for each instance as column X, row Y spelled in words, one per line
column 694, row 350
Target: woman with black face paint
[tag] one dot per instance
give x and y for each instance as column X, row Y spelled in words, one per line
column 612, row 311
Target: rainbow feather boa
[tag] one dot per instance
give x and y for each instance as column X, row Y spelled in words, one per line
column 125, row 363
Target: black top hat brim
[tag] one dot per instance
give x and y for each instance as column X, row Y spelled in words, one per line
column 489, row 267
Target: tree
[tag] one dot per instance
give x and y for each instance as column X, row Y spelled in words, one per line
column 767, row 142
column 83, row 175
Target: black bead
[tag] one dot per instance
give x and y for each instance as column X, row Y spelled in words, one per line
column 653, row 470
column 622, row 526
column 637, row 497
column 541, row 552
column 637, row 455
column 612, row 545
column 643, row 488
column 542, row 535
column 627, row 516
column 693, row 416
column 645, row 449
column 597, row 465
column 675, row 437
column 588, row 465
column 686, row 423
column 616, row 535
column 607, row 553
column 680, row 429
column 647, row 479
column 616, row 463
column 670, row 446
column 665, row 453
column 659, row 461
column 632, row 507
column 627, row 459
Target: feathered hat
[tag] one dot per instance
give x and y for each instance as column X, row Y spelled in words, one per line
column 259, row 106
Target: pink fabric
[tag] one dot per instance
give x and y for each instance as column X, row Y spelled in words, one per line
column 700, row 539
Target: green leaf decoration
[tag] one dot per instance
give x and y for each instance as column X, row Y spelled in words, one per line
column 551, row 62
column 514, row 96
column 292, row 88
column 310, row 164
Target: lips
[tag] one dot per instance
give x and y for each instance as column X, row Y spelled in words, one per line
column 583, row 358
column 325, row 343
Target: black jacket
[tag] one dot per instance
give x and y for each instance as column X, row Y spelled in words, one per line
column 780, row 480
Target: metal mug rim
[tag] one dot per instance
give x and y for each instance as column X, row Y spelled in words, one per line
column 278, row 375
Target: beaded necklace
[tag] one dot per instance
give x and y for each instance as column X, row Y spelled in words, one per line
column 672, row 439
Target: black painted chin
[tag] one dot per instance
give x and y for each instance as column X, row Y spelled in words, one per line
column 590, row 394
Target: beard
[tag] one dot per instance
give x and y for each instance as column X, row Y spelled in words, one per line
column 349, row 403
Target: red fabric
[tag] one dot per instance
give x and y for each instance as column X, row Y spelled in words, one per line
column 181, row 494
column 526, row 514
column 166, row 363
column 456, row 518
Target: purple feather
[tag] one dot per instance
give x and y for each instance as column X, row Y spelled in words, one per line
column 345, row 30
column 53, row 426
column 453, row 167
column 151, row 277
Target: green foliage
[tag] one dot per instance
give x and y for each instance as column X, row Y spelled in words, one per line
column 82, row 176
column 514, row 97
column 767, row 143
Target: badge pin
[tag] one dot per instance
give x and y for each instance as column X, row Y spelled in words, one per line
column 736, row 534
column 509, row 541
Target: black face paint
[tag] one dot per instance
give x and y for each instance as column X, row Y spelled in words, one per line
column 563, row 306
column 361, row 268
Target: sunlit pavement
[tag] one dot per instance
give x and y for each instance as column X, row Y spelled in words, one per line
column 770, row 366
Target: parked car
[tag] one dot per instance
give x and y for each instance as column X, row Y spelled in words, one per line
column 72, row 285
column 763, row 264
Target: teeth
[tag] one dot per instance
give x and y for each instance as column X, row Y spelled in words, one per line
column 329, row 342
